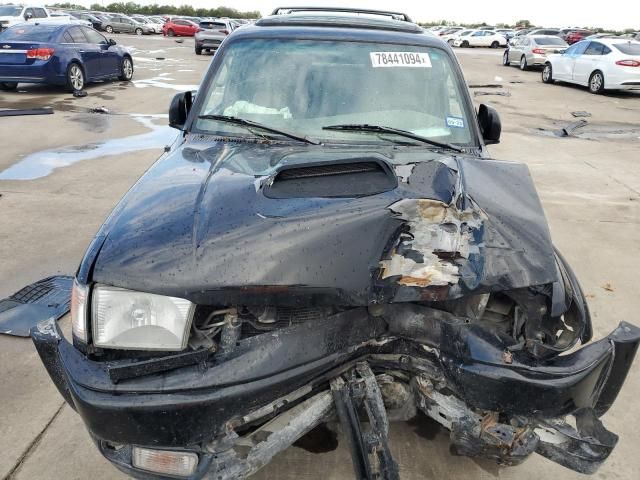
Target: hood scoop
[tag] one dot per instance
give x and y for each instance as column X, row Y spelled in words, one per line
column 355, row 177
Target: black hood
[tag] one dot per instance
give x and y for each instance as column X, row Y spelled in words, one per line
column 201, row 224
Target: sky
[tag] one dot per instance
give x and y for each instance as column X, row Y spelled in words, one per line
column 549, row 13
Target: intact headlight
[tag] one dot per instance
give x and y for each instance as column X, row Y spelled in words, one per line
column 139, row 321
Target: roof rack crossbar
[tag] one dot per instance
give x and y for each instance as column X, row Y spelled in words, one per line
column 395, row 15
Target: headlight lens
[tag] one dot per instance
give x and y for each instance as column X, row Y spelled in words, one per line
column 139, row 321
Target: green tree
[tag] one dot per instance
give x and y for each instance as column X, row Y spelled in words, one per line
column 523, row 23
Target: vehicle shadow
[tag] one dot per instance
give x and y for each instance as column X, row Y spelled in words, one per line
column 607, row 93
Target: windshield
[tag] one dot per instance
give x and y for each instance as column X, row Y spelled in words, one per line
column 10, row 11
column 24, row 33
column 303, row 85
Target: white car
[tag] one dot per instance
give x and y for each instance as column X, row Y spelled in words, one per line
column 451, row 38
column 481, row 38
column 603, row 64
column 11, row 15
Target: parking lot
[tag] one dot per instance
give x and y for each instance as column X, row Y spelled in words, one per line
column 61, row 174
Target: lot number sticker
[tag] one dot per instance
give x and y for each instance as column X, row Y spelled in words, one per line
column 400, row 59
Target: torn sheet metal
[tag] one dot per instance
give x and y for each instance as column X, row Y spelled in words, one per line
column 47, row 298
column 438, row 235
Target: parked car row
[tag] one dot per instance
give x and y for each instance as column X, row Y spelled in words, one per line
column 599, row 63
column 570, row 35
column 148, row 24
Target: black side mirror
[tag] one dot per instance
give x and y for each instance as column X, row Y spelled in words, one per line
column 28, row 16
column 112, row 42
column 490, row 125
column 179, row 109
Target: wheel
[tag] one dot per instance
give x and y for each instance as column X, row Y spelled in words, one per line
column 8, row 86
column 505, row 58
column 523, row 63
column 495, row 44
column 171, row 33
column 126, row 69
column 198, row 51
column 596, row 82
column 108, row 29
column 138, row 31
column 465, row 44
column 450, row 41
column 547, row 73
column 75, row 78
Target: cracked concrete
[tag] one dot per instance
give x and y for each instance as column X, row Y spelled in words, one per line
column 590, row 191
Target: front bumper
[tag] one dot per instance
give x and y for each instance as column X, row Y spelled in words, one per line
column 457, row 374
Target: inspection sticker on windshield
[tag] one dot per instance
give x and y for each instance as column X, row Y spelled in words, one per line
column 455, row 122
column 400, row 59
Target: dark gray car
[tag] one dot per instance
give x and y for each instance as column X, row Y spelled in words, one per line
column 124, row 24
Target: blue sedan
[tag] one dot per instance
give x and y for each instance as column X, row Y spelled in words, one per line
column 70, row 55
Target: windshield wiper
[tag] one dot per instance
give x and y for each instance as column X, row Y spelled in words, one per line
column 249, row 124
column 363, row 127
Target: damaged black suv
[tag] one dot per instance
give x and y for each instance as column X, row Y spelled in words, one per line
column 328, row 242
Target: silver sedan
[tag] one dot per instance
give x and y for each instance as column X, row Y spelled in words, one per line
column 532, row 50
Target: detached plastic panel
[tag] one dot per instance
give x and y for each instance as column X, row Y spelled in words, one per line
column 46, row 298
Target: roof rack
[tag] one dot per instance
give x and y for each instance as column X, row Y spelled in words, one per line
column 395, row 15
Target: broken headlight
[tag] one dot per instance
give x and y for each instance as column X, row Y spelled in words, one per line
column 132, row 320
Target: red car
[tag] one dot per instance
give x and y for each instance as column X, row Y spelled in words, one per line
column 179, row 27
column 577, row 35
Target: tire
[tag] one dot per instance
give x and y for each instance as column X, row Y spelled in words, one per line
column 523, row 63
column 8, row 86
column 138, row 31
column 596, row 82
column 108, row 29
column 495, row 44
column 75, row 77
column 465, row 44
column 505, row 58
column 171, row 33
column 126, row 69
column 198, row 51
column 547, row 73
